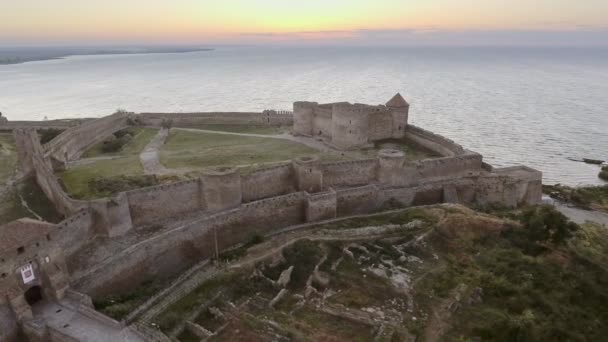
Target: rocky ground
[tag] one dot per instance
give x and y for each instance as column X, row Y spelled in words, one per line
column 435, row 273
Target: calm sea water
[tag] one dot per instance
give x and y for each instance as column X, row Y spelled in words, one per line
column 537, row 107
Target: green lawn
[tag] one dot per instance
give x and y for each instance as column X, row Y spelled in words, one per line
column 242, row 129
column 8, row 157
column 194, row 150
column 141, row 138
column 126, row 162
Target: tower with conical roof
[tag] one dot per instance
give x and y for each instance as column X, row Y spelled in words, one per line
column 399, row 110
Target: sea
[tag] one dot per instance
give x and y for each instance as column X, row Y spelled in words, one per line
column 541, row 107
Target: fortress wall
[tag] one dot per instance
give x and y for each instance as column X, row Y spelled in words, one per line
column 456, row 166
column 217, row 118
column 152, row 204
column 75, row 231
column 172, row 252
column 357, row 200
column 303, row 113
column 350, row 125
column 268, row 182
column 349, row 173
column 322, row 121
column 73, row 142
column 380, row 125
column 48, row 124
column 321, row 206
column 433, row 142
column 260, row 217
column 274, row 118
column 33, row 162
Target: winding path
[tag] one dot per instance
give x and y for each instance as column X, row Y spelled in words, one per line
column 149, row 157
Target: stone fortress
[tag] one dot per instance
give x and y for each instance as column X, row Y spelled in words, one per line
column 348, row 126
column 38, row 260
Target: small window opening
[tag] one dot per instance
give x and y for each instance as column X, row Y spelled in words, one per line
column 3, row 275
column 48, row 237
column 21, row 250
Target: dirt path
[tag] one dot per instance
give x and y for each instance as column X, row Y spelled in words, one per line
column 580, row 216
column 149, row 157
column 317, row 145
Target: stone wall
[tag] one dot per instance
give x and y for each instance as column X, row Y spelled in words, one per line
column 73, row 142
column 321, row 206
column 47, row 124
column 346, row 125
column 359, row 200
column 434, row 142
column 349, row 173
column 268, row 182
column 169, row 253
column 75, row 231
column 266, row 118
column 149, row 205
column 456, row 166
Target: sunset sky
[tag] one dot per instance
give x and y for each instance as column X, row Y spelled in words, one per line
column 26, row 22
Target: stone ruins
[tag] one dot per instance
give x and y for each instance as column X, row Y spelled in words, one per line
column 228, row 207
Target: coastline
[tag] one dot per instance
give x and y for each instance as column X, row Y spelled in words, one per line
column 20, row 56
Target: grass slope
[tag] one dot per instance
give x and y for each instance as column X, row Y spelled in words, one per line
column 126, row 162
column 8, row 157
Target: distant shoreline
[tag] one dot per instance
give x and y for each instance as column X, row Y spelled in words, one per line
column 25, row 55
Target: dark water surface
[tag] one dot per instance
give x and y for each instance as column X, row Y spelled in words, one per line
column 514, row 105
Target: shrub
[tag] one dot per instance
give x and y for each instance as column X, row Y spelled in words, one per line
column 49, row 134
column 117, row 141
column 546, row 224
column 604, row 173
column 113, row 185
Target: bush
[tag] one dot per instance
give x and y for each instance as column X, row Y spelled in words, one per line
column 112, row 185
column 49, row 134
column 117, row 141
column 604, row 173
column 546, row 224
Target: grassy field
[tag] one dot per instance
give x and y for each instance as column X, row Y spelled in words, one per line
column 11, row 207
column 141, row 137
column 8, row 157
column 242, row 129
column 126, row 162
column 195, row 150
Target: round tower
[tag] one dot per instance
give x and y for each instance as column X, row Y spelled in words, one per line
column 350, row 125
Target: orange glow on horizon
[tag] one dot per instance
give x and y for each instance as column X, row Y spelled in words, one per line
column 206, row 20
